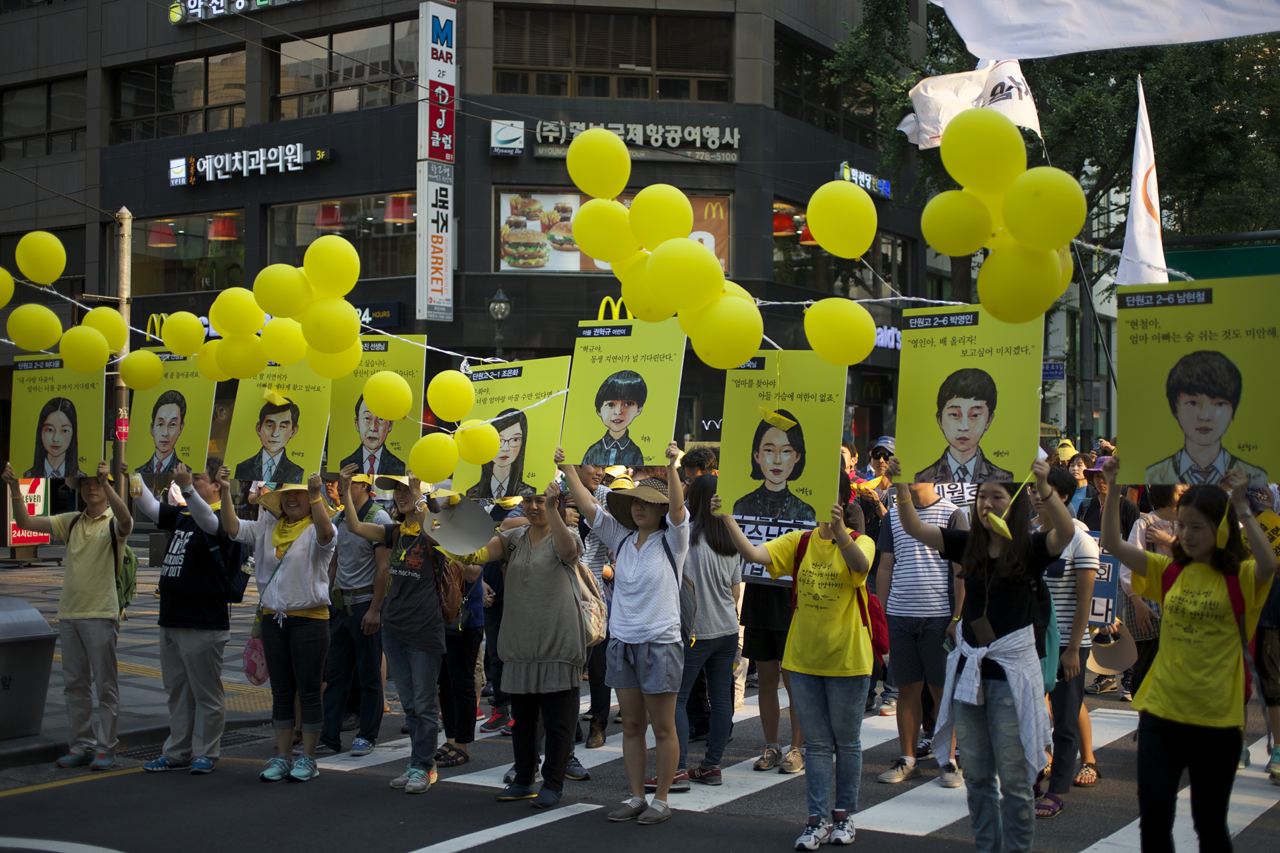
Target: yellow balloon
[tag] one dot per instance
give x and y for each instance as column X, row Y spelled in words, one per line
column 1017, row 284
column 239, row 312
column 332, row 365
column 477, row 442
column 242, row 356
column 433, row 457
column 687, row 316
column 331, row 325
column 1065, row 265
column 684, row 274
column 83, row 348
column 33, row 327
column 659, row 213
column 207, row 361
column 332, row 266
column 983, row 150
column 1044, row 208
column 642, row 301
column 621, row 267
column 727, row 332
column 41, row 257
column 283, row 341
column 598, row 162
column 842, row 218
column 388, row 395
column 282, row 290
column 732, row 288
column 450, row 395
column 994, row 204
column 840, row 330
column 600, row 229
column 215, row 319
column 141, row 369
column 956, row 223
column 111, row 324
column 182, row 333
column 6, row 287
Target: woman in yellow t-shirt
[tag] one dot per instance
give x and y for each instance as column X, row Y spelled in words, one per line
column 1194, row 692
column 828, row 654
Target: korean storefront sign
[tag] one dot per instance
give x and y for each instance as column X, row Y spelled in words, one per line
column 185, row 171
column 190, row 11
column 435, row 243
column 706, row 143
column 439, row 56
column 866, row 180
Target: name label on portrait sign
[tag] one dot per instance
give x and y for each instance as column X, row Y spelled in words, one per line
column 46, row 364
column 503, row 373
column 605, row 332
column 938, row 321
column 375, row 346
column 753, row 364
column 1165, row 298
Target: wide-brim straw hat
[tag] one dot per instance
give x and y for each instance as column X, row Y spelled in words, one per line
column 271, row 500
column 651, row 490
column 1116, row 656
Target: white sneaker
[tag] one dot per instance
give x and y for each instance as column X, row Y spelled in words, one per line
column 951, row 776
column 814, row 836
column 842, row 832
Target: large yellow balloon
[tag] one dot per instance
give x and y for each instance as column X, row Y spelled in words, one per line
column 242, row 356
column 994, row 204
column 450, row 395
column 215, row 319
column 388, row 395
column 599, row 164
column 659, row 213
column 600, row 229
column 282, row 290
column 1017, row 284
column 33, row 327
column 642, row 301
column 111, row 324
column 840, row 330
column 83, row 348
column 141, row 369
column 1044, row 208
column 207, row 361
column 283, row 341
column 433, row 457
column 956, row 223
column 732, row 288
column 331, row 325
column 332, row 266
column 1066, row 267
column 182, row 333
column 6, row 287
column 621, row 267
column 842, row 218
column 332, row 365
column 983, row 150
column 41, row 257
column 477, row 442
column 727, row 332
column 684, row 273
column 687, row 316
column 238, row 312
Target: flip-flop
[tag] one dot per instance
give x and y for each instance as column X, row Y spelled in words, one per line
column 1087, row 768
column 1053, row 807
column 452, row 757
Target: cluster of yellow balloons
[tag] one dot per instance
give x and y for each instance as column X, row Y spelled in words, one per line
column 1027, row 217
column 451, row 396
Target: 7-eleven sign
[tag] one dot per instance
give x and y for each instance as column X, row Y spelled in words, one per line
column 35, row 494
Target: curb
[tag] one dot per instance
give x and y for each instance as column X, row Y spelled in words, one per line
column 26, row 751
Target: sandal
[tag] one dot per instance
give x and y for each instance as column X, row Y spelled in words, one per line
column 1051, row 809
column 451, row 756
column 1087, row 776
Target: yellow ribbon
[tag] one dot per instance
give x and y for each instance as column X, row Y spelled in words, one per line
column 772, row 418
column 274, row 397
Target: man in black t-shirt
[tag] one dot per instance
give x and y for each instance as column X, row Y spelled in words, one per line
column 1091, row 510
column 195, row 579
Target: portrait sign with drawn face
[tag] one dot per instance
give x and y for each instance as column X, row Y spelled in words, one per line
column 358, row 436
column 177, row 412
column 525, row 463
column 56, row 425
column 1195, row 360
column 278, row 428
column 968, row 407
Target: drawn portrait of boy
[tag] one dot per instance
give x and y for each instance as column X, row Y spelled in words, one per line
column 966, row 408
column 619, row 402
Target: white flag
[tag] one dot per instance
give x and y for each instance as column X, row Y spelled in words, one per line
column 1142, row 238
column 998, row 85
column 1034, row 28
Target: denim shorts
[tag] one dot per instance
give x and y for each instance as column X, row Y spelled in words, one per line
column 653, row 667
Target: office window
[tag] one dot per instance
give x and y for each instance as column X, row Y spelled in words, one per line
column 188, row 254
column 383, row 229
column 803, row 89
column 178, row 98
column 606, row 55
column 44, row 119
column 341, row 72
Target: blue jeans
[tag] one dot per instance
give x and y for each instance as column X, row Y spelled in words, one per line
column 830, row 711
column 717, row 656
column 352, row 651
column 415, row 674
column 987, row 737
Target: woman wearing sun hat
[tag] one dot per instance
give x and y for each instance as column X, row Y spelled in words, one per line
column 295, row 541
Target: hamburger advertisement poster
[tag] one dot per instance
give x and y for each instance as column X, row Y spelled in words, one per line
column 535, row 231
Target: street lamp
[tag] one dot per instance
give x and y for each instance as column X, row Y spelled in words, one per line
column 499, row 310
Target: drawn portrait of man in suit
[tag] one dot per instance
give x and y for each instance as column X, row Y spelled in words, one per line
column 373, row 457
column 168, row 417
column 966, row 408
column 277, row 425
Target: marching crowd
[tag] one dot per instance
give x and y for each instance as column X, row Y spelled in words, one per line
column 971, row 626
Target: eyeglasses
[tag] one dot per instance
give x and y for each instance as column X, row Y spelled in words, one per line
column 881, row 454
column 511, row 442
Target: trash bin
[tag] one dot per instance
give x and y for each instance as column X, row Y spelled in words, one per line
column 26, row 659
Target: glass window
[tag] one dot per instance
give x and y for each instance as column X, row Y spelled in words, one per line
column 180, row 86
column 328, row 69
column 361, row 54
column 593, row 85
column 188, row 254
column 30, row 115
column 24, row 110
column 67, row 103
column 805, row 90
column 226, row 78
column 174, row 98
column 303, row 65
column 387, row 248
column 673, row 89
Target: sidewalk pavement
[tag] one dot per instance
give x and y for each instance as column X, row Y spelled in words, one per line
column 144, row 712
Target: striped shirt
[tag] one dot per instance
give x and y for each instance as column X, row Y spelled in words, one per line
column 594, row 552
column 921, row 584
column 1080, row 555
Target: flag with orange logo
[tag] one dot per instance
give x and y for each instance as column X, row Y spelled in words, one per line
column 1142, row 241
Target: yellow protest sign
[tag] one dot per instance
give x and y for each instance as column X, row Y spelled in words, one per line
column 968, row 407
column 1195, row 361
column 170, row 421
column 279, row 440
column 527, row 439
column 55, row 426
column 359, row 437
column 1270, row 524
column 780, row 441
column 623, row 392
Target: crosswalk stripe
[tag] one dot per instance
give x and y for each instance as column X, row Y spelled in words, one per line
column 484, row 836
